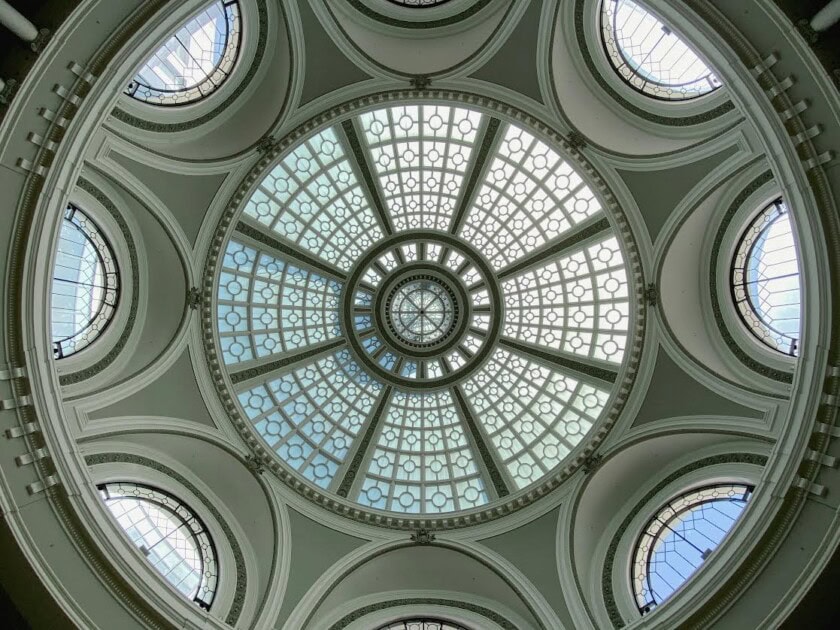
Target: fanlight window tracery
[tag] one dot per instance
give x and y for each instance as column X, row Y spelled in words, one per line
column 173, row 539
column 194, row 61
column 649, row 56
column 765, row 279
column 680, row 537
column 85, row 286
column 422, row 624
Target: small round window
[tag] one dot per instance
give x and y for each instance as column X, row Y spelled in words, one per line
column 422, row 624
column 195, row 61
column 676, row 542
column 765, row 279
column 85, row 286
column 649, row 56
column 169, row 534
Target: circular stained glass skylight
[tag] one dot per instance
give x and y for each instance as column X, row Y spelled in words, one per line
column 421, row 309
column 649, row 56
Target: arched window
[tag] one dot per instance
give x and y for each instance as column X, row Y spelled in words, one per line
column 194, row 61
column 173, row 539
column 85, row 286
column 679, row 538
column 765, row 279
column 649, row 56
column 422, row 624
column 419, row 3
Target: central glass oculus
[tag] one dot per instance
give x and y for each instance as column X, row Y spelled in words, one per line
column 421, row 311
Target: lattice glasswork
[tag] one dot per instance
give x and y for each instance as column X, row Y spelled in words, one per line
column 680, row 537
column 195, row 61
column 85, row 286
column 419, row 3
column 649, row 56
column 267, row 306
column 578, row 303
column 533, row 415
column 421, row 153
column 528, row 197
column 313, row 198
column 406, row 343
column 422, row 624
column 422, row 462
column 765, row 279
column 173, row 539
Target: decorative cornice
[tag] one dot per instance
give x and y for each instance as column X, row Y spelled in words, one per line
column 241, row 573
column 517, row 500
column 150, row 125
column 607, row 573
column 91, row 371
column 365, row 10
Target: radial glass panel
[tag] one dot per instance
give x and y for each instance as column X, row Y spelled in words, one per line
column 85, row 286
column 649, row 56
column 765, row 279
column 680, row 537
column 195, row 61
column 407, row 343
column 422, row 624
column 173, row 539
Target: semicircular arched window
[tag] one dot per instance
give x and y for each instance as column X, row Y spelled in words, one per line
column 173, row 539
column 85, row 286
column 649, row 56
column 194, row 61
column 765, row 279
column 679, row 538
column 419, row 3
column 422, row 624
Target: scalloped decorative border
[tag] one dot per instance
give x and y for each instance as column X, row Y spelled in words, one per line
column 241, row 574
column 352, row 510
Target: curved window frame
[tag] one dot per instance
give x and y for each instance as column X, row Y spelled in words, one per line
column 650, row 88
column 750, row 237
column 652, row 536
column 179, row 512
column 143, row 92
column 419, row 4
column 422, row 623
column 106, row 261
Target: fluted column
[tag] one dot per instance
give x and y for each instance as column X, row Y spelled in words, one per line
column 15, row 22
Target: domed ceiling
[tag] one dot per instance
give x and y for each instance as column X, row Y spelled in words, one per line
column 423, row 308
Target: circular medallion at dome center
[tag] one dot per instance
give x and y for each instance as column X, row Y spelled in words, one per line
column 421, row 311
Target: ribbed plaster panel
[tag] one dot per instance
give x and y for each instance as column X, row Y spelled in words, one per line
column 672, row 392
column 658, row 192
column 322, row 53
column 187, row 197
column 514, row 66
column 532, row 548
column 89, row 592
column 234, row 485
column 314, row 549
column 175, row 394
column 167, row 289
column 774, row 580
column 421, row 568
column 20, row 584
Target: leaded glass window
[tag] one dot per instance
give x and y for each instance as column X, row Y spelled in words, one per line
column 422, row 624
column 765, row 279
column 680, row 537
column 649, row 56
column 410, row 343
column 194, row 61
column 171, row 536
column 85, row 284
column 419, row 3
